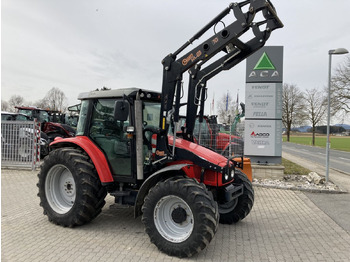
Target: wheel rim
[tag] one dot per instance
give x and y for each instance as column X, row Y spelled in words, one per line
column 60, row 189
column 173, row 219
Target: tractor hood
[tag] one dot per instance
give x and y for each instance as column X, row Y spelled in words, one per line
column 202, row 156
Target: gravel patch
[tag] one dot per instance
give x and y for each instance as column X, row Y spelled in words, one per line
column 310, row 183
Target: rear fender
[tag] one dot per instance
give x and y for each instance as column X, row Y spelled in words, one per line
column 96, row 155
column 151, row 181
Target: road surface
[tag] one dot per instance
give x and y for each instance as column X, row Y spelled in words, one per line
column 338, row 160
column 336, row 206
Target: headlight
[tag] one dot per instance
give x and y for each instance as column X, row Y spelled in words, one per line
column 226, row 177
column 228, row 174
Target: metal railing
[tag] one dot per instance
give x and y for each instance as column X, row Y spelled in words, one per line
column 223, row 140
column 226, row 142
column 20, row 144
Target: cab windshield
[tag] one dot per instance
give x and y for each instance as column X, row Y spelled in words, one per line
column 40, row 115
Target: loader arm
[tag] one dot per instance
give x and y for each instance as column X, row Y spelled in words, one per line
column 226, row 40
column 198, row 78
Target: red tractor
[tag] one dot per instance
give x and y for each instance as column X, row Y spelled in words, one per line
column 208, row 133
column 52, row 122
column 183, row 190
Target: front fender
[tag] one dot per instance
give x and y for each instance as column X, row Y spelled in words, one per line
column 96, row 155
column 150, row 182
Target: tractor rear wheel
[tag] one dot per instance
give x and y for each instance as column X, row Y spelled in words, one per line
column 70, row 191
column 180, row 216
column 240, row 207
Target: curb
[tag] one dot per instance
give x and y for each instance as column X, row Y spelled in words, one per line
column 294, row 188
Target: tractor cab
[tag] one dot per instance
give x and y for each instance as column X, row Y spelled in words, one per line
column 108, row 118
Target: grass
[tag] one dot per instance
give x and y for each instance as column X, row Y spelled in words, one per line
column 291, row 168
column 337, row 142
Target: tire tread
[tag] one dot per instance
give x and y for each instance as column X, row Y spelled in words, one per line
column 90, row 194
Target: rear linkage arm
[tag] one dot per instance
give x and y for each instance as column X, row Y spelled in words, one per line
column 227, row 38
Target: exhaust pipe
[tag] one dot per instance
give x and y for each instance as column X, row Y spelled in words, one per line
column 139, row 137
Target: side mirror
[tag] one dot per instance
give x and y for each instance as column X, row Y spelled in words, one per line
column 121, row 110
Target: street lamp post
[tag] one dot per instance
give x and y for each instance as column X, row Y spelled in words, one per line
column 338, row 51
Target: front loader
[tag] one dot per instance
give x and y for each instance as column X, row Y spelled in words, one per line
column 123, row 147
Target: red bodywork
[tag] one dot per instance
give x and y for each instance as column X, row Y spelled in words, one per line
column 51, row 127
column 98, row 158
column 200, row 151
column 96, row 155
column 211, row 177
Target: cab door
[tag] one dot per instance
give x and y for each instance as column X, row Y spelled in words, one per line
column 110, row 135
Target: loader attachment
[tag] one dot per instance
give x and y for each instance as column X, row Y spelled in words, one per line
column 235, row 50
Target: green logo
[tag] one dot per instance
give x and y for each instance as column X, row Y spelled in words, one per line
column 264, row 63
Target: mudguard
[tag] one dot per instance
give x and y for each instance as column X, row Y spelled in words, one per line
column 96, row 155
column 150, row 182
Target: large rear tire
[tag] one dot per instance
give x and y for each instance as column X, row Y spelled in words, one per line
column 70, row 191
column 240, row 207
column 180, row 216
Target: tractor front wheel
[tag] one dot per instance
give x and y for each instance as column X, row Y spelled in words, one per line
column 239, row 208
column 180, row 216
column 70, row 191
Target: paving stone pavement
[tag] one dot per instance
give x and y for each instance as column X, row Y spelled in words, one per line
column 284, row 225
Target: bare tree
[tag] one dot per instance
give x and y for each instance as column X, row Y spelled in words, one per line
column 15, row 100
column 226, row 108
column 340, row 88
column 4, row 106
column 56, row 99
column 293, row 107
column 42, row 103
column 316, row 107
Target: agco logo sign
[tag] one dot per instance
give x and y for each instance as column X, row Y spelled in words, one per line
column 259, row 135
column 265, row 67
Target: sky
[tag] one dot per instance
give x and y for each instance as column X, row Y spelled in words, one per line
column 82, row 45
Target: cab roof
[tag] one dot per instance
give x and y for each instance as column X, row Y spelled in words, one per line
column 109, row 93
